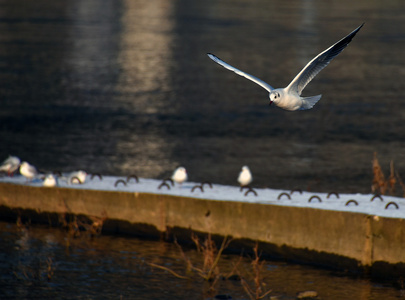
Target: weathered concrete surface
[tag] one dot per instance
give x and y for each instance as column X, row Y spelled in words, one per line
column 336, row 238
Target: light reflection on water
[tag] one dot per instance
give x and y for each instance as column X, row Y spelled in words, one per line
column 41, row 262
column 145, row 49
column 126, row 87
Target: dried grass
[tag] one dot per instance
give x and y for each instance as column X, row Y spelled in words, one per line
column 378, row 185
column 382, row 186
column 211, row 256
column 259, row 290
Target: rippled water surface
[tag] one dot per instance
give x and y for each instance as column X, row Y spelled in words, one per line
column 123, row 87
column 46, row 263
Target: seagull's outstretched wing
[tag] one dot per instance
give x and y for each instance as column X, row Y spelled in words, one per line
column 319, row 62
column 263, row 84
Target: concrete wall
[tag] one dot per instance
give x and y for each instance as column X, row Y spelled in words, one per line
column 339, row 239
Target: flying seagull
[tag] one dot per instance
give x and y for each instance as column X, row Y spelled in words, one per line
column 289, row 98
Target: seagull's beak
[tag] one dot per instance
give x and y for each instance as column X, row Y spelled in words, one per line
column 270, row 103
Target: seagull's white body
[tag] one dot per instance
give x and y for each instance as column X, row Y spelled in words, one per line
column 28, row 171
column 49, row 181
column 81, row 175
column 179, row 175
column 245, row 177
column 10, row 165
column 289, row 98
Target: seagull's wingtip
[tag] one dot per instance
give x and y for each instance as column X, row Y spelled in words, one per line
column 358, row 28
column 214, row 58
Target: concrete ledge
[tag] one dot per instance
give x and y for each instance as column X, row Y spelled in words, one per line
column 339, row 239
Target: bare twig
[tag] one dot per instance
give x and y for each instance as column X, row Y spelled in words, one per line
column 257, row 293
column 209, row 271
column 235, row 268
column 189, row 265
column 225, row 244
column 378, row 185
column 49, row 268
column 168, row 270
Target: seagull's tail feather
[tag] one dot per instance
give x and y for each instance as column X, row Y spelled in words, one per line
column 309, row 102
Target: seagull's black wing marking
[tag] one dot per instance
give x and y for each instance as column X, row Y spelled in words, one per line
column 320, row 62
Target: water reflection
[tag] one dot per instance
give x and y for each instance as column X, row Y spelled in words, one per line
column 144, row 61
column 145, row 53
column 93, row 40
column 126, row 87
column 307, row 28
column 42, row 262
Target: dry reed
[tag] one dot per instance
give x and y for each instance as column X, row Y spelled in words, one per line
column 382, row 186
column 211, row 256
column 258, row 291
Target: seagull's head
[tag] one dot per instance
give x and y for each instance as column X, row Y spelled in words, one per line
column 275, row 96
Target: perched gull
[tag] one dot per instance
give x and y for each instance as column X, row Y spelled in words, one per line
column 179, row 175
column 10, row 165
column 49, row 181
column 245, row 177
column 289, row 98
column 28, row 171
column 74, row 177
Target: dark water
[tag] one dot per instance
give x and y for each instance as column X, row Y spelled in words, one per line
column 46, row 263
column 123, row 87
